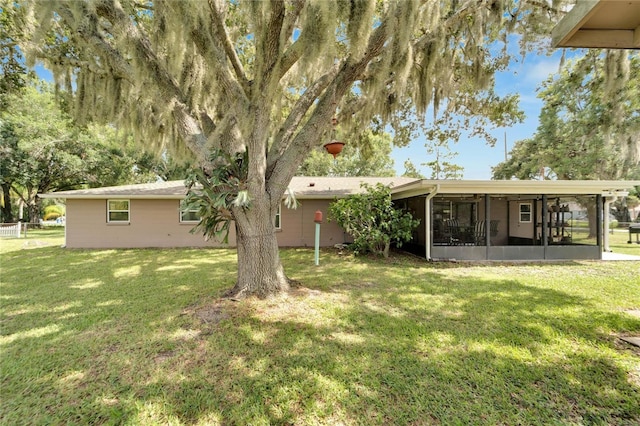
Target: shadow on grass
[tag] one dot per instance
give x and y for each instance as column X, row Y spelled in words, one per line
column 121, row 336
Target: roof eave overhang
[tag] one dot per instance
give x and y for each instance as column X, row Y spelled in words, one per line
column 62, row 196
column 418, row 188
column 111, row 196
column 607, row 24
column 508, row 187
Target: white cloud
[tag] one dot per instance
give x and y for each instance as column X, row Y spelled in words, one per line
column 530, row 99
column 539, row 71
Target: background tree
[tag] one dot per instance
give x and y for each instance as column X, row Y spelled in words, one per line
column 13, row 73
column 440, row 135
column 42, row 150
column 411, row 171
column 267, row 77
column 39, row 151
column 371, row 157
column 589, row 125
column 112, row 158
column 372, row 220
column 9, row 159
column 440, row 167
column 622, row 206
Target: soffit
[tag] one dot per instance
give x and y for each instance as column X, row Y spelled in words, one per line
column 514, row 187
column 612, row 24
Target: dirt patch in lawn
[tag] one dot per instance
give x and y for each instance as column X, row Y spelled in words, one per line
column 35, row 244
column 211, row 313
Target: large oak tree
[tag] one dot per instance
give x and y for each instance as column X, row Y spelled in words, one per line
column 265, row 78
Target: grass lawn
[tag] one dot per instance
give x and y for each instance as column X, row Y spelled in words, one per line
column 618, row 240
column 140, row 337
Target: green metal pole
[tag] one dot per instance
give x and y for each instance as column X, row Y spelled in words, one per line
column 317, row 252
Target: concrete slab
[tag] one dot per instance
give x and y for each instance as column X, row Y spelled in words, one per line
column 618, row 256
column 631, row 339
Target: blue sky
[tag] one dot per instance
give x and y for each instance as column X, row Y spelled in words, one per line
column 477, row 158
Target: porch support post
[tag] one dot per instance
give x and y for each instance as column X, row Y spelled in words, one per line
column 487, row 222
column 599, row 211
column 545, row 223
column 427, row 221
column 606, row 225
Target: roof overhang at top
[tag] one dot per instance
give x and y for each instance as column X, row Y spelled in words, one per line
column 340, row 187
column 303, row 187
column 515, row 187
column 610, row 24
column 158, row 190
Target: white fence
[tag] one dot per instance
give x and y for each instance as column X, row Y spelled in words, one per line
column 10, row 229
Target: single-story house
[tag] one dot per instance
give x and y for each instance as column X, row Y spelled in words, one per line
column 465, row 220
column 150, row 215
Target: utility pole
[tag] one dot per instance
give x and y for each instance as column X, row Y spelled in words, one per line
column 505, row 145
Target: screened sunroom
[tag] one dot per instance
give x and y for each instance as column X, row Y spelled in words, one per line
column 509, row 220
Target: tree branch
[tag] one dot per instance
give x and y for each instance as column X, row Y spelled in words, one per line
column 215, row 58
column 170, row 91
column 285, row 134
column 459, row 14
column 268, row 47
column 547, row 7
column 291, row 55
column 346, row 74
column 223, row 36
column 225, row 132
column 119, row 66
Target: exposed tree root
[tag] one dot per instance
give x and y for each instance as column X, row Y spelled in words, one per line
column 238, row 293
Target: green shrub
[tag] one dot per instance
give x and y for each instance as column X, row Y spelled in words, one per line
column 372, row 221
column 50, row 216
column 53, row 212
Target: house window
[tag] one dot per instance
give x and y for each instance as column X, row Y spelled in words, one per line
column 117, row 211
column 189, row 215
column 278, row 219
column 525, row 212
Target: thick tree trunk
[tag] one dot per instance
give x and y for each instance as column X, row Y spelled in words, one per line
column 7, row 214
column 260, row 272
column 34, row 211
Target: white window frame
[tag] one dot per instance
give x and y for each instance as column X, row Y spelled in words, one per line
column 522, row 214
column 109, row 210
column 277, row 219
column 183, row 211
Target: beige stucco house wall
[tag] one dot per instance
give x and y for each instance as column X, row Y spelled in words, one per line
column 154, row 215
column 298, row 228
column 153, row 223
column 156, row 223
column 518, row 228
